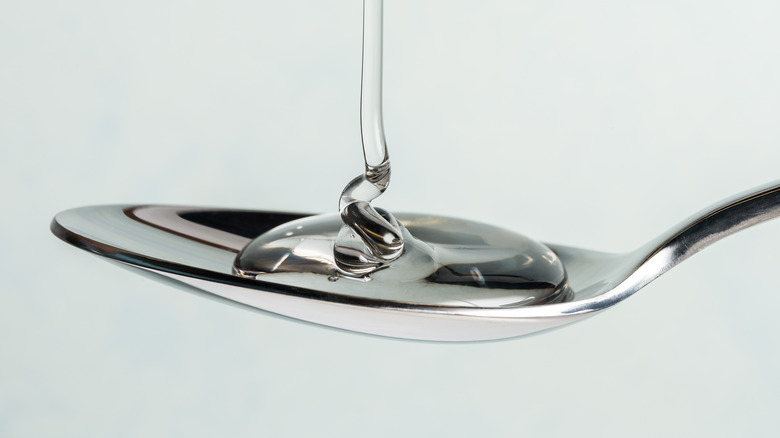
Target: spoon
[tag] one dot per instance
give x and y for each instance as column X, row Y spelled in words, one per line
column 195, row 247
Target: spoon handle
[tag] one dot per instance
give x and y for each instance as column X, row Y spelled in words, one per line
column 712, row 224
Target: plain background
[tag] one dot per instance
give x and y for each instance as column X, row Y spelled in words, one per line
column 596, row 124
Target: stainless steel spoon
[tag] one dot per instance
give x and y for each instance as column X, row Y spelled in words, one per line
column 195, row 247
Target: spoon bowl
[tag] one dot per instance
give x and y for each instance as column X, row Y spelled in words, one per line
column 195, row 247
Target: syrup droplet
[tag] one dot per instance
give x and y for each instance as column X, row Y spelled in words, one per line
column 445, row 261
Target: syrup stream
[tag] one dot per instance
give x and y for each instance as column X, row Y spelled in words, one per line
column 370, row 238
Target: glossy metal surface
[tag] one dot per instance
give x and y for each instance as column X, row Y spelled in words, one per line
column 195, row 247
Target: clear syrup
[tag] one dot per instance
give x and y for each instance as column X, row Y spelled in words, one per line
column 369, row 239
column 409, row 258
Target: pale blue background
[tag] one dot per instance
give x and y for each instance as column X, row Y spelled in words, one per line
column 592, row 123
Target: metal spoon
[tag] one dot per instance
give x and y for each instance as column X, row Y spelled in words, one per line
column 195, row 247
